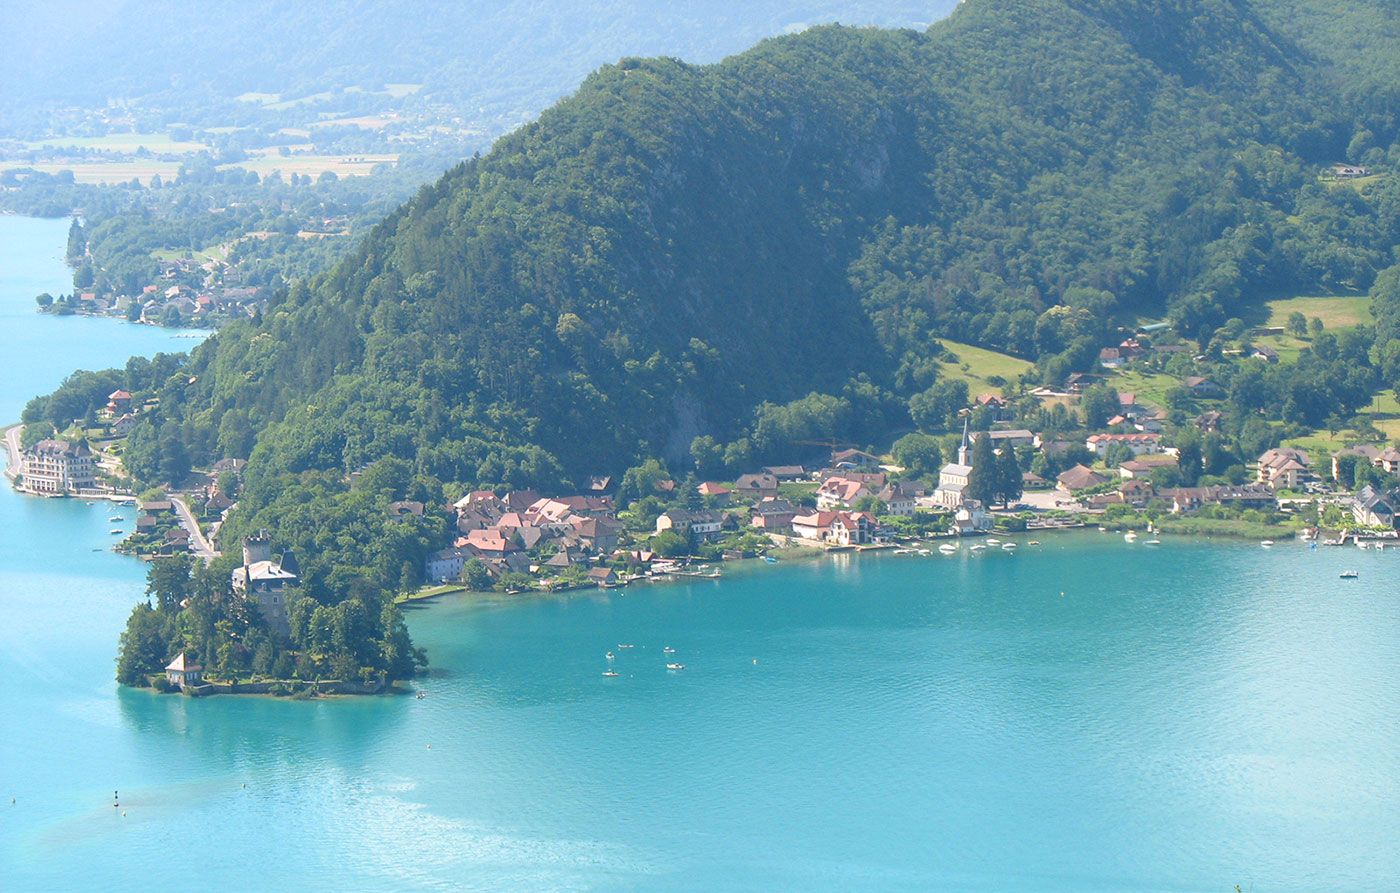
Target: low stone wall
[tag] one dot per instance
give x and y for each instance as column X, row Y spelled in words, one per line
column 324, row 687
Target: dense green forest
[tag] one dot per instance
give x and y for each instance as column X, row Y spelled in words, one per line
column 742, row 256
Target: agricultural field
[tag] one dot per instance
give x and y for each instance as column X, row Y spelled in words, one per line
column 121, row 143
column 313, row 165
column 113, row 172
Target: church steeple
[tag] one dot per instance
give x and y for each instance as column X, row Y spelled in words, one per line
column 965, row 447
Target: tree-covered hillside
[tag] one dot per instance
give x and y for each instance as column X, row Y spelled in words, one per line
column 767, row 249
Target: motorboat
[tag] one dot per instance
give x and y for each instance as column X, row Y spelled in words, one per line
column 675, row 666
column 1267, row 543
column 1153, row 543
column 947, row 548
column 668, row 650
column 611, row 673
column 977, row 548
column 1033, row 543
column 1008, row 547
column 993, row 541
column 115, row 530
column 610, row 655
column 115, row 518
column 1348, row 575
column 1130, row 536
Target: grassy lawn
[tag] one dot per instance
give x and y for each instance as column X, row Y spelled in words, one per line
column 429, row 592
column 795, row 492
column 399, row 91
column 980, row 364
column 1148, row 387
column 178, row 254
column 1340, row 312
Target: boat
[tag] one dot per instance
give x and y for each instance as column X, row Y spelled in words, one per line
column 1033, row 543
column 675, row 666
column 115, row 518
column 993, row 541
column 770, row 559
column 925, row 552
column 902, row 551
column 1348, row 575
column 1130, row 536
column 947, row 548
column 624, row 646
column 611, row 673
column 1008, row 547
column 115, row 530
column 1102, row 529
column 977, row 548
column 668, row 650
column 92, row 503
column 1267, row 543
column 609, row 655
column 1153, row 543
column 422, row 695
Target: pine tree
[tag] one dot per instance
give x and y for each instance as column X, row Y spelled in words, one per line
column 982, row 483
column 1008, row 475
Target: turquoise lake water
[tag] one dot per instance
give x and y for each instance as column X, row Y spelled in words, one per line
column 1186, row 717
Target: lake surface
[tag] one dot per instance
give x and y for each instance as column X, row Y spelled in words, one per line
column 1085, row 714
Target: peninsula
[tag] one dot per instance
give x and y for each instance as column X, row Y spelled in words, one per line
column 847, row 286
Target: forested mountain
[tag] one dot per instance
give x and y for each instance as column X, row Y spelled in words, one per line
column 678, row 251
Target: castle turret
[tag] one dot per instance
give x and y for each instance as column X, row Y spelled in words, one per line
column 257, row 547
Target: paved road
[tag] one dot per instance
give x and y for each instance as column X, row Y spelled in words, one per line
column 12, row 435
column 202, row 547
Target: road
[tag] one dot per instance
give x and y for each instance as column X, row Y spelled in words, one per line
column 200, row 546
column 12, row 435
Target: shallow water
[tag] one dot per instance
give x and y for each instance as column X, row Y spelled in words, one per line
column 1190, row 716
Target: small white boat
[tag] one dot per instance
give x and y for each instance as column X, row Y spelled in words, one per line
column 675, row 666
column 947, row 548
column 1153, row 543
column 1102, row 529
column 1008, row 547
column 624, row 646
column 993, row 541
column 668, row 650
column 115, row 518
column 115, row 530
column 925, row 552
column 609, row 655
column 1130, row 536
column 1348, row 575
column 902, row 551
column 611, row 673
column 1267, row 543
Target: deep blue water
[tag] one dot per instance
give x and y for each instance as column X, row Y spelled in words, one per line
column 1186, row 717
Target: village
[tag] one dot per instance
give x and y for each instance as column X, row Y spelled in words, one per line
column 191, row 292
column 998, row 477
